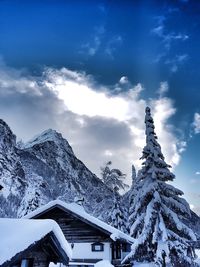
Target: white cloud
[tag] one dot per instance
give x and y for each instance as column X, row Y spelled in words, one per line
column 93, row 46
column 197, row 173
column 112, row 45
column 192, row 206
column 195, row 208
column 164, row 88
column 97, row 124
column 167, row 40
column 83, row 99
column 176, row 62
column 196, row 123
column 123, row 80
column 108, row 153
column 163, row 110
column 100, row 41
column 158, row 30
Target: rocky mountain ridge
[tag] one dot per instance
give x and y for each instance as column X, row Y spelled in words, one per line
column 45, row 169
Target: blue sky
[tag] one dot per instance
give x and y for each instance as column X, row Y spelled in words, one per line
column 89, row 68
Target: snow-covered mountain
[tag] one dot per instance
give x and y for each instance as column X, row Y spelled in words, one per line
column 45, row 169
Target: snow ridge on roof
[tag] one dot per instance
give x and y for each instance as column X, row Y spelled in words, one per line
column 18, row 234
column 78, row 210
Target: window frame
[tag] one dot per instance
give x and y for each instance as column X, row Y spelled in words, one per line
column 99, row 244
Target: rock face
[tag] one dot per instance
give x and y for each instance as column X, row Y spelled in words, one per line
column 45, row 169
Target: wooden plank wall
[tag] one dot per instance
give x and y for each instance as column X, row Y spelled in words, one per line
column 73, row 228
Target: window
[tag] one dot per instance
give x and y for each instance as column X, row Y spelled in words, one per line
column 97, row 246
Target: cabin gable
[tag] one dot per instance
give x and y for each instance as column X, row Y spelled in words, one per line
column 91, row 239
column 75, row 228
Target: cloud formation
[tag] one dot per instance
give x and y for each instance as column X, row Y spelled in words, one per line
column 100, row 126
column 168, row 39
column 176, row 62
column 113, row 44
column 92, row 47
column 101, row 42
column 164, row 87
column 196, row 123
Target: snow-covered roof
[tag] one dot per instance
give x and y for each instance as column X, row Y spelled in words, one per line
column 79, row 211
column 18, row 234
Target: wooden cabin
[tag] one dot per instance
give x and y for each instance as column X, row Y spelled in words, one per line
column 32, row 243
column 91, row 239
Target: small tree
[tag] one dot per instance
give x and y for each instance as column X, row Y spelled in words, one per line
column 116, row 216
column 157, row 211
column 114, row 179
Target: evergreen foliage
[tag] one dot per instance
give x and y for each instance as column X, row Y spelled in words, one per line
column 157, row 211
column 116, row 216
column 114, row 179
column 132, row 194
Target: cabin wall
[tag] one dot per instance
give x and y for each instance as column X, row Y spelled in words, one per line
column 40, row 259
column 84, row 250
column 74, row 229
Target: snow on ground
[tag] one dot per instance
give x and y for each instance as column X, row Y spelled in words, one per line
column 25, row 232
column 103, row 263
column 77, row 209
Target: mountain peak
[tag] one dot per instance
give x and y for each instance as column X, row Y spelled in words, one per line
column 49, row 135
column 7, row 138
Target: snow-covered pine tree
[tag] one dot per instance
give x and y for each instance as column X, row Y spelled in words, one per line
column 113, row 178
column 132, row 194
column 159, row 232
column 133, row 189
column 134, row 176
column 116, row 216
